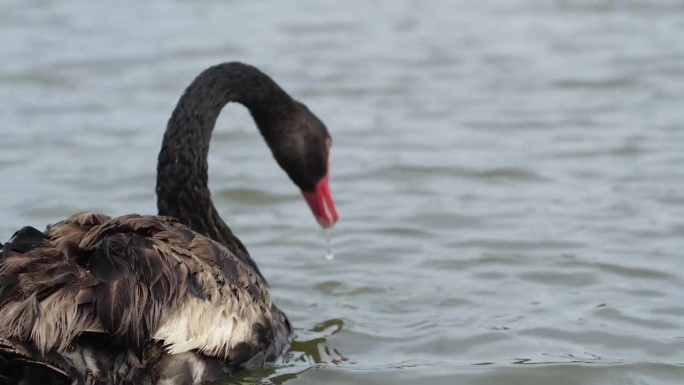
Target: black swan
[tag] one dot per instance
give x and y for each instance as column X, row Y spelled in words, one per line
column 168, row 299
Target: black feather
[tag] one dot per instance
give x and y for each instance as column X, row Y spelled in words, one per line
column 194, row 287
column 240, row 354
column 106, row 265
column 25, row 239
column 72, row 251
column 112, row 301
column 187, row 234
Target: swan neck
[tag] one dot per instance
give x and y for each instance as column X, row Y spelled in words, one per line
column 182, row 170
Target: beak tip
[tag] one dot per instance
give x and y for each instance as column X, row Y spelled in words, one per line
column 327, row 222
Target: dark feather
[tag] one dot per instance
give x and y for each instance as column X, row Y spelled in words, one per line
column 194, row 287
column 106, row 262
column 24, row 240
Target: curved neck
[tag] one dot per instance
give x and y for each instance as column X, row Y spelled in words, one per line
column 182, row 169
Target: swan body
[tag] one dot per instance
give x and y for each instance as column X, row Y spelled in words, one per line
column 143, row 281
column 168, row 299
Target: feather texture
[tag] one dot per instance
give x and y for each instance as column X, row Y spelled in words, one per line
column 136, row 280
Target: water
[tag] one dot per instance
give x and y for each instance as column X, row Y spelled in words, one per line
column 329, row 253
column 509, row 174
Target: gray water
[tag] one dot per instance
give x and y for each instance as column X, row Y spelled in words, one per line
column 509, row 174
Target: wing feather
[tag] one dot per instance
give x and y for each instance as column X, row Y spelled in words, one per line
column 136, row 278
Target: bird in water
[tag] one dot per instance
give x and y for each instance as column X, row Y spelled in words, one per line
column 167, row 299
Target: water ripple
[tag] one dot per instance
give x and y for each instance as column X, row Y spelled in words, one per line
column 508, row 173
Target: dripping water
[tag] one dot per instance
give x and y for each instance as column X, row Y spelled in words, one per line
column 329, row 246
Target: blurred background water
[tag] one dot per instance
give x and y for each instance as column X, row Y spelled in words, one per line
column 510, row 174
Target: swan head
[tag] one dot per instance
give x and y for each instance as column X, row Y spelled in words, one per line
column 301, row 145
column 320, row 200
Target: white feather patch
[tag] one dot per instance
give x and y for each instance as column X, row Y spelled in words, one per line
column 212, row 329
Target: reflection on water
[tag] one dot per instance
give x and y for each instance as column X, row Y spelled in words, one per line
column 310, row 349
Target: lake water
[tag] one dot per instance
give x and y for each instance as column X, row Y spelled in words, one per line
column 509, row 174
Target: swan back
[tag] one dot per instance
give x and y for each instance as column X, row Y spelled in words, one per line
column 137, row 280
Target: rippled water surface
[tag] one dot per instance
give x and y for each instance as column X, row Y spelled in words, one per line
column 510, row 174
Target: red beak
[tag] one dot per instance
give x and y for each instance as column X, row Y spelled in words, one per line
column 321, row 202
column 322, row 205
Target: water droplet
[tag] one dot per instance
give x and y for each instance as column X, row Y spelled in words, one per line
column 329, row 250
